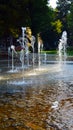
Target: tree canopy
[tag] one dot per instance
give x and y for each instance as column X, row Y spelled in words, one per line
column 37, row 15
column 17, row 13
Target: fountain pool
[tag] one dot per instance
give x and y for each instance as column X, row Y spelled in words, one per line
column 41, row 98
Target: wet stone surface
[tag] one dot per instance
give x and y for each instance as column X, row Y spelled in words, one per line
column 35, row 108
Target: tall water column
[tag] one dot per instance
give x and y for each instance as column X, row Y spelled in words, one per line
column 62, row 47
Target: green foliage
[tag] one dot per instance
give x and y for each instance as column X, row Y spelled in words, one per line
column 13, row 14
column 70, row 23
column 35, row 14
column 57, row 25
column 17, row 13
column 63, row 7
column 38, row 15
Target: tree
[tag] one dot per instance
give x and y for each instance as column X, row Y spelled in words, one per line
column 63, row 7
column 37, row 15
column 17, row 13
column 70, row 24
column 13, row 15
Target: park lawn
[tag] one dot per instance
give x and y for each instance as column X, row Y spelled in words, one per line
column 49, row 52
column 69, row 52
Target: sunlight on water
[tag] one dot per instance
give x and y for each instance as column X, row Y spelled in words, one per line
column 19, row 82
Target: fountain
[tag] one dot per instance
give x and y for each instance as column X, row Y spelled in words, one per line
column 40, row 48
column 62, row 47
column 42, row 101
column 26, row 41
column 24, row 52
column 22, row 39
column 13, row 52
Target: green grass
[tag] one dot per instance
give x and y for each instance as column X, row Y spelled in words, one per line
column 69, row 52
column 50, row 52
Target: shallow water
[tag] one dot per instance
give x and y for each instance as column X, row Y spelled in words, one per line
column 38, row 99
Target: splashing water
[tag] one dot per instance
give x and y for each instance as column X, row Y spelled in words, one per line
column 62, row 47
